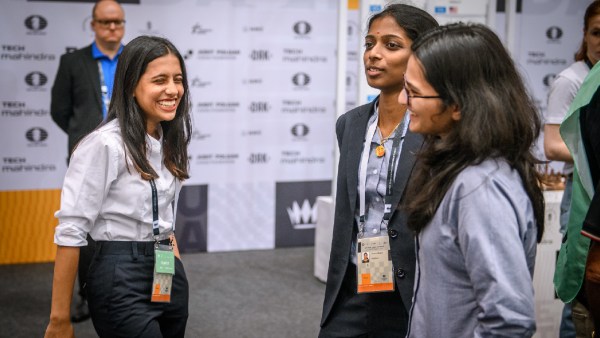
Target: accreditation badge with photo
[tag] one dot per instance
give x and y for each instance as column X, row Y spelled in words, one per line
column 374, row 265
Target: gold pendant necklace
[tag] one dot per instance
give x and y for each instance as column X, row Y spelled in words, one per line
column 380, row 149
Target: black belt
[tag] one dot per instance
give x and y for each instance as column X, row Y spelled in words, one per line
column 127, row 247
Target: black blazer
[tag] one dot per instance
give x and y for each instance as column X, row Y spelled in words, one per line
column 76, row 104
column 351, row 129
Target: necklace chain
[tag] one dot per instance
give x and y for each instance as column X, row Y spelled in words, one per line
column 383, row 140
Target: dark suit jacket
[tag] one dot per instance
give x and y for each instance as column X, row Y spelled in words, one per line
column 76, row 104
column 351, row 129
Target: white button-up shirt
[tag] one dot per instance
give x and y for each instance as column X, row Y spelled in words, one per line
column 108, row 199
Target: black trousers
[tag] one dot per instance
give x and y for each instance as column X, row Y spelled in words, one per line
column 119, row 289
column 365, row 315
column 86, row 254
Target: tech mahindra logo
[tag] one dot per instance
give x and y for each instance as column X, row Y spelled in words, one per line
column 304, row 217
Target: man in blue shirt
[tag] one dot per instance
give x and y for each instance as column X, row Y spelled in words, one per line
column 81, row 97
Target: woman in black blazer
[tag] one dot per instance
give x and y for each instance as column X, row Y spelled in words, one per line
column 370, row 185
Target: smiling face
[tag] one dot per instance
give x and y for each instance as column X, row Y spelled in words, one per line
column 592, row 39
column 159, row 91
column 387, row 48
column 427, row 115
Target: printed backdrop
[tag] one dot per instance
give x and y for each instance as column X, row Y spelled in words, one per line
column 262, row 81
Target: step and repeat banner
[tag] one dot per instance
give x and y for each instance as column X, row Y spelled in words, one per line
column 262, row 78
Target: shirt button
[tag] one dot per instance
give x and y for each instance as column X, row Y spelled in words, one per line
column 393, row 233
column 401, row 273
column 377, row 199
column 375, row 231
column 374, row 171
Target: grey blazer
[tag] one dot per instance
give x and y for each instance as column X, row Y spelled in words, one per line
column 76, row 104
column 351, row 129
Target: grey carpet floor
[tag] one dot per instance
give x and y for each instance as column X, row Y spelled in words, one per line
column 270, row 293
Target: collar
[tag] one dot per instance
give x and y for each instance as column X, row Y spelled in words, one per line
column 97, row 54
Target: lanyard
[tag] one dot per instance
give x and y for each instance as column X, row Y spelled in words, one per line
column 104, row 90
column 390, row 174
column 155, row 228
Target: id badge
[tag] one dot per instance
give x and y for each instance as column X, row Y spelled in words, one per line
column 164, row 270
column 374, row 265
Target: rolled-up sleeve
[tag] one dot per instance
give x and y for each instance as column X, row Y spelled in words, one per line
column 93, row 167
column 498, row 244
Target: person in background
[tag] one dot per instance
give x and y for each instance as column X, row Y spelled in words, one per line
column 372, row 175
column 121, row 187
column 476, row 202
column 577, row 276
column 80, row 98
column 562, row 92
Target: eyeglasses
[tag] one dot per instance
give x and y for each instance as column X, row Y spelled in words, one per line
column 408, row 97
column 107, row 23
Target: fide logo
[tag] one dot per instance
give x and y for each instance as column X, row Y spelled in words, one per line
column 548, row 79
column 302, row 28
column 36, row 135
column 36, row 23
column 554, row 33
column 36, row 79
column 301, row 79
column 300, row 130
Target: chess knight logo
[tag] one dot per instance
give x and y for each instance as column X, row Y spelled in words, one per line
column 296, row 211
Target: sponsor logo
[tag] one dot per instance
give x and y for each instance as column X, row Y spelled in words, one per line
column 198, row 29
column 296, row 211
column 259, row 107
column 302, row 28
column 297, row 55
column 192, row 219
column 294, row 157
column 149, row 30
column 258, row 158
column 36, row 136
column 255, row 132
column 554, row 33
column 18, row 109
column 301, row 79
column 253, row 29
column 302, row 217
column 36, row 24
column 539, row 58
column 375, row 8
column 211, row 54
column 252, row 81
column 440, row 10
column 198, row 135
column 300, row 130
column 217, row 158
column 548, row 79
column 17, row 53
column 19, row 164
column 217, row 106
column 299, row 107
column 199, row 83
column 260, row 55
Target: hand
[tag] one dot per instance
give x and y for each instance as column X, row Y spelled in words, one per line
column 60, row 329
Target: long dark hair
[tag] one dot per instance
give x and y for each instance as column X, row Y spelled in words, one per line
column 592, row 10
column 176, row 133
column 468, row 66
column 413, row 20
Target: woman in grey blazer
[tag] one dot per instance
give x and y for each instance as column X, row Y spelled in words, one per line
column 372, row 298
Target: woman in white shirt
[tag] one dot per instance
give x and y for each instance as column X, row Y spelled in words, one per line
column 121, row 187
